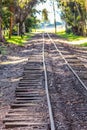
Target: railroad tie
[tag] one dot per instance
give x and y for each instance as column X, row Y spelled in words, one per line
column 27, row 109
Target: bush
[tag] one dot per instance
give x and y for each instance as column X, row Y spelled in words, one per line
column 15, row 29
column 2, row 50
column 69, row 30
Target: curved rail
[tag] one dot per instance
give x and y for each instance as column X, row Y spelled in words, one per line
column 47, row 91
column 68, row 63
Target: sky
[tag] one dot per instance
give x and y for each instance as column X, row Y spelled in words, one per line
column 49, row 8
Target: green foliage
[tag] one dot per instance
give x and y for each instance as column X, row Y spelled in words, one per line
column 69, row 36
column 83, row 45
column 45, row 15
column 74, row 13
column 30, row 23
column 72, row 38
column 15, row 28
column 18, row 40
column 3, row 50
column 13, row 12
column 6, row 17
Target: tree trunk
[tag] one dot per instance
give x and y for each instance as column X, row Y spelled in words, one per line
column 54, row 17
column 84, row 29
column 1, row 29
column 11, row 20
column 24, row 31
column 1, row 36
column 66, row 26
column 18, row 29
column 21, row 29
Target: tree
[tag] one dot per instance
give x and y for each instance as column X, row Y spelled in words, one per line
column 74, row 14
column 23, row 10
column 5, row 9
column 1, row 36
column 45, row 15
column 17, row 12
column 11, row 9
column 30, row 22
column 54, row 15
column 53, row 3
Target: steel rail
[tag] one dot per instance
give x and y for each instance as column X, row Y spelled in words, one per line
column 52, row 125
column 67, row 63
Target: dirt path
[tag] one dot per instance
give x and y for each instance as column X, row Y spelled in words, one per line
column 11, row 69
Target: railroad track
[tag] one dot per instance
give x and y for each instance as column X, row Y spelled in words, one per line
column 36, row 106
column 73, row 63
column 68, row 91
column 30, row 108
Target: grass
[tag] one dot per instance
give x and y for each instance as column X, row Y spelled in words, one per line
column 72, row 38
column 18, row 40
column 69, row 37
column 83, row 45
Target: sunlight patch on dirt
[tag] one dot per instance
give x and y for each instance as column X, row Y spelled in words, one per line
column 14, row 62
